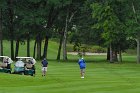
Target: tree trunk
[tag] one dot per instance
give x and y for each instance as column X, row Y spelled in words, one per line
column 1, row 47
column 138, row 35
column 108, row 53
column 115, row 57
column 45, row 47
column 38, row 47
column 11, row 29
column 38, row 50
column 68, row 20
column 60, row 45
column 111, row 54
column 138, row 50
column 1, row 44
column 120, row 55
column 17, row 48
column 34, row 49
column 28, row 45
column 65, row 39
column 12, row 49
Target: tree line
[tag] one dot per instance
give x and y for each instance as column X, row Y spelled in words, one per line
column 110, row 23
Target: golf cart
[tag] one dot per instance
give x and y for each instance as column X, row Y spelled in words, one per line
column 5, row 65
column 25, row 66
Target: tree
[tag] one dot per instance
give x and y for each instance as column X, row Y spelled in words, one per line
column 61, row 35
column 33, row 21
column 66, row 14
column 1, row 44
column 132, row 22
column 67, row 22
column 82, row 28
column 11, row 25
column 108, row 18
column 72, row 11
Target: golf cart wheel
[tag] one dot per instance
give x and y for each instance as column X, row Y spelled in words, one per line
column 9, row 72
column 32, row 74
column 22, row 73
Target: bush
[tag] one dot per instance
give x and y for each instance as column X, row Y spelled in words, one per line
column 131, row 51
column 97, row 49
column 87, row 48
column 70, row 48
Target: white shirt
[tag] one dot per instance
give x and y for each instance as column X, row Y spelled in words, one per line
column 33, row 60
column 19, row 64
column 10, row 61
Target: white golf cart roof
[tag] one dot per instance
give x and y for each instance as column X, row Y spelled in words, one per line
column 9, row 59
column 5, row 56
column 25, row 57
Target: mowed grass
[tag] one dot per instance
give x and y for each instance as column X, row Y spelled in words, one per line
column 64, row 77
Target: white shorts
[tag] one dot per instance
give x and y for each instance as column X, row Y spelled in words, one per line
column 82, row 70
column 44, row 68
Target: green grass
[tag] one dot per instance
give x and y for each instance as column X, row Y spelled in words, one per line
column 64, row 77
column 52, row 51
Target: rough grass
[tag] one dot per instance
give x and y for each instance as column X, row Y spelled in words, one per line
column 52, row 51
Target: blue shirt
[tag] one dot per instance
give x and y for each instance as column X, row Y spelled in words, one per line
column 81, row 63
column 44, row 63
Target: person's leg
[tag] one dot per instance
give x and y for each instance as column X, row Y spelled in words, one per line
column 42, row 71
column 45, row 71
column 82, row 73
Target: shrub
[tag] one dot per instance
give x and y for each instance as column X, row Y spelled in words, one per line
column 86, row 48
column 98, row 49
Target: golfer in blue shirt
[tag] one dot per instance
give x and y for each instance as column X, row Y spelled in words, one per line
column 82, row 66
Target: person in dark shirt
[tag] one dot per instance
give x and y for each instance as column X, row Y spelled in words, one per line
column 44, row 66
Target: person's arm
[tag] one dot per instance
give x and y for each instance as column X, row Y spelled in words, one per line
column 84, row 61
column 79, row 62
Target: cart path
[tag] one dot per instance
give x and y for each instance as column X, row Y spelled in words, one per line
column 87, row 53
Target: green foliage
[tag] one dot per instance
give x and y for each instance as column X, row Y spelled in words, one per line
column 108, row 18
column 2, row 3
column 132, row 18
column 59, row 2
column 83, row 23
column 130, row 52
column 110, row 22
column 97, row 49
column 35, row 1
column 85, row 48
